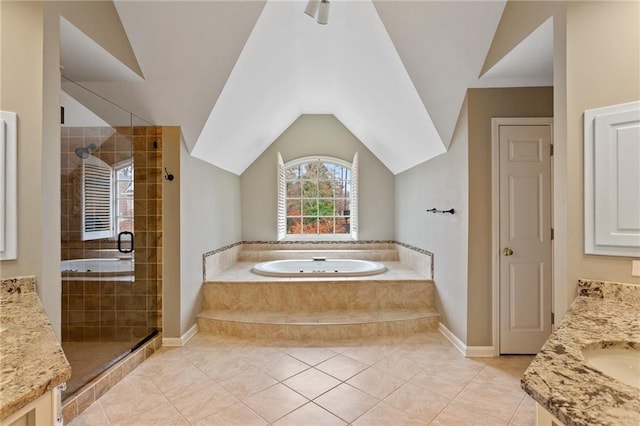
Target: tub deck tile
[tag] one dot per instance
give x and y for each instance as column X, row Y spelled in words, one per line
column 241, row 272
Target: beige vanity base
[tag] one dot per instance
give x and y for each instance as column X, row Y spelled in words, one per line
column 545, row 418
column 40, row 412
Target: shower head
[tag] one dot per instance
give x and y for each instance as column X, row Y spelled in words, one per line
column 84, row 152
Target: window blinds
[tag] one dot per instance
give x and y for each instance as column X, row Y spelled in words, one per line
column 97, row 199
column 354, row 197
column 282, row 200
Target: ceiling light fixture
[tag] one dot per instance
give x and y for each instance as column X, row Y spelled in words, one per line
column 319, row 8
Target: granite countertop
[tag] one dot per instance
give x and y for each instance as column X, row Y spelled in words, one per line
column 605, row 314
column 31, row 359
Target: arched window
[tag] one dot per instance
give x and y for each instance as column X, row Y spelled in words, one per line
column 317, row 198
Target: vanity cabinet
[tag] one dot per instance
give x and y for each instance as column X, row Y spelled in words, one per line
column 545, row 418
column 34, row 367
column 44, row 411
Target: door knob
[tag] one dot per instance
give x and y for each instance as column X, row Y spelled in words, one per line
column 507, row 251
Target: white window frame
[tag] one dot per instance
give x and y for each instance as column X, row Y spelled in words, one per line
column 282, row 199
column 116, row 213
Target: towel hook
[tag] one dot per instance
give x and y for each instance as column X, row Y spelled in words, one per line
column 434, row 210
column 168, row 176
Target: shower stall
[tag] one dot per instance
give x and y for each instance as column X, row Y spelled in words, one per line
column 110, row 232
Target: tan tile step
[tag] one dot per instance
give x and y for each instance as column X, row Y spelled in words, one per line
column 318, row 296
column 318, row 325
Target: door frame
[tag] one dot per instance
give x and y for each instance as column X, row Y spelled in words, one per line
column 496, row 122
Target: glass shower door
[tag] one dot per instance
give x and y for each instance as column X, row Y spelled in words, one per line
column 107, row 305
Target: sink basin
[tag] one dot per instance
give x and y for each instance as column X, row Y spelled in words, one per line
column 623, row 364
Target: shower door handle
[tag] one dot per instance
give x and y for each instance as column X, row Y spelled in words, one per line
column 120, row 241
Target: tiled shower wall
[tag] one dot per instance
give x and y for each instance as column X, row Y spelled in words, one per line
column 147, row 160
column 114, row 310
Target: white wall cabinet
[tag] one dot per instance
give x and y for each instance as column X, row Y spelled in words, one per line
column 612, row 180
column 8, row 185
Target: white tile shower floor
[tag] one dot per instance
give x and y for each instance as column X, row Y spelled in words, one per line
column 417, row 380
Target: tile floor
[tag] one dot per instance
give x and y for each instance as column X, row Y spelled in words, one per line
column 417, row 380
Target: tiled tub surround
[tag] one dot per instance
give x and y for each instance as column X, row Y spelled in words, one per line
column 237, row 302
column 32, row 361
column 365, row 250
column 560, row 380
column 417, row 259
column 216, row 261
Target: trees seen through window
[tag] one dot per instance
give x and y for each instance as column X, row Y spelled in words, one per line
column 318, row 197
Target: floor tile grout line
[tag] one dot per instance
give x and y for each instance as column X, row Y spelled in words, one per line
column 104, row 413
column 123, row 383
column 254, row 412
column 302, row 395
column 455, row 396
column 347, row 379
column 237, row 400
column 517, row 408
column 370, row 408
column 179, row 412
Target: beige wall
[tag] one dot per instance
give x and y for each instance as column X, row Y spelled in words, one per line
column 484, row 104
column 602, row 68
column 210, row 219
column 317, row 135
column 171, row 233
column 596, row 63
column 461, row 178
column 22, row 92
column 209, row 198
column 51, row 286
column 441, row 183
column 30, row 87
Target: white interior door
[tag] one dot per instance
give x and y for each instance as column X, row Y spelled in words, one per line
column 525, row 237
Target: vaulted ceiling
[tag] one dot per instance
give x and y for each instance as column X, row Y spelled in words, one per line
column 235, row 74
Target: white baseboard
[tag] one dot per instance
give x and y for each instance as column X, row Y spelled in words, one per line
column 481, row 352
column 182, row 340
column 467, row 351
column 457, row 343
